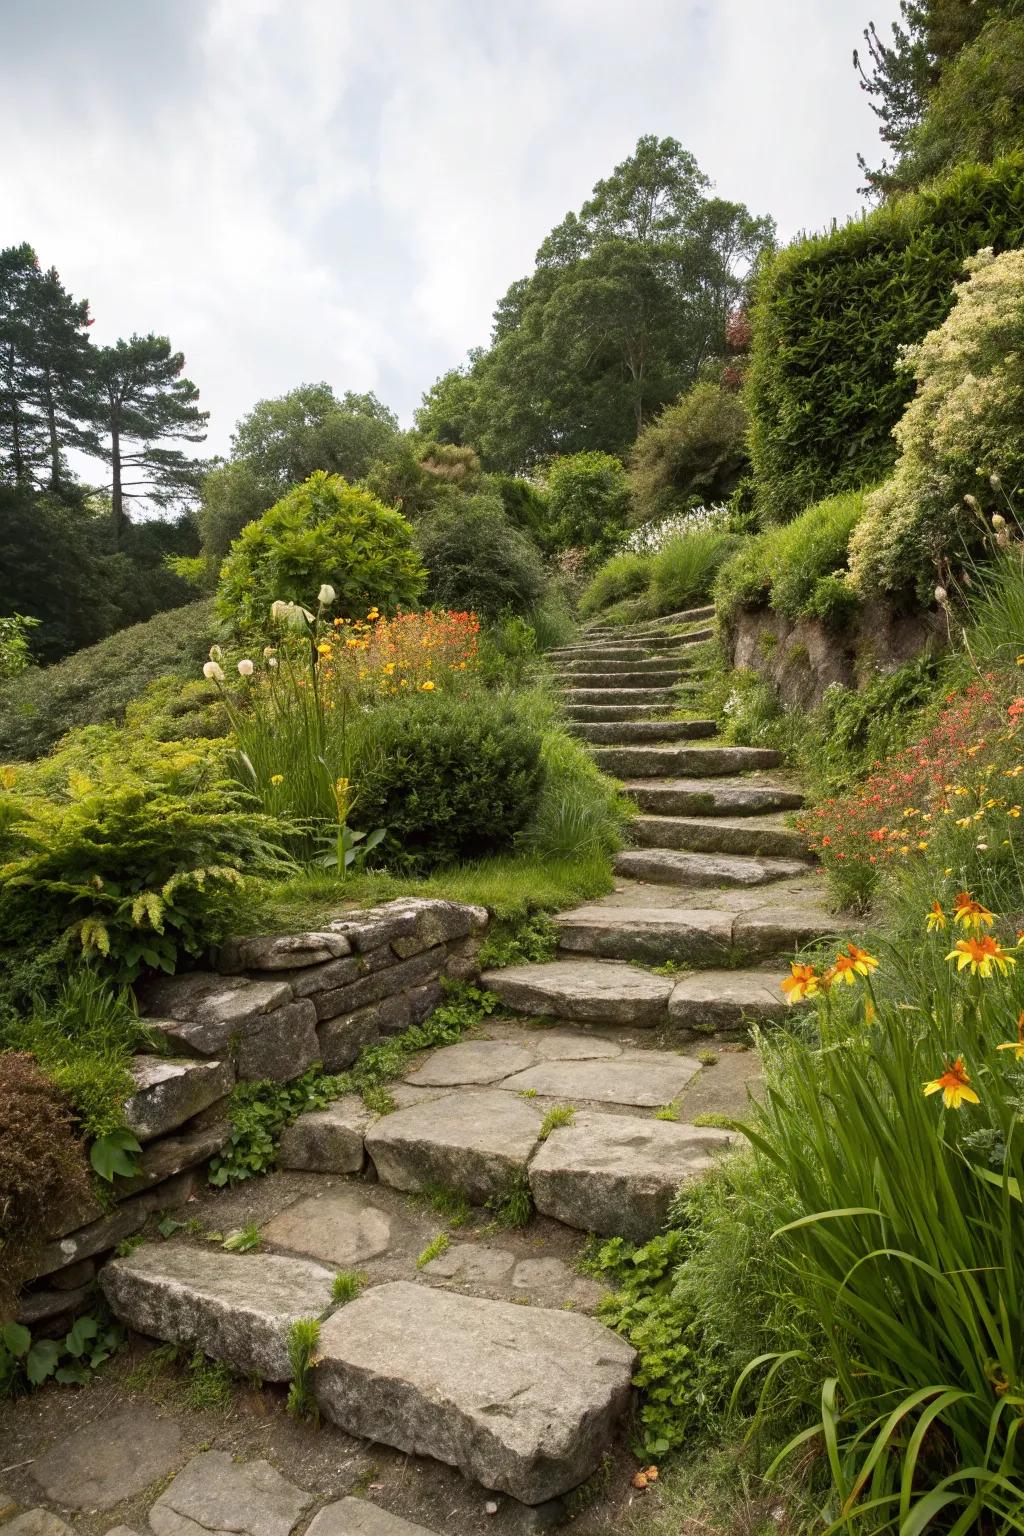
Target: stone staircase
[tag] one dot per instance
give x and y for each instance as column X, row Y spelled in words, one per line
column 437, row 1356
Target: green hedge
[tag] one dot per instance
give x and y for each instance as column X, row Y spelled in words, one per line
column 830, row 315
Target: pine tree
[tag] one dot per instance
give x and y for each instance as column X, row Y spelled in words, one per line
column 140, row 400
column 22, row 437
column 62, row 363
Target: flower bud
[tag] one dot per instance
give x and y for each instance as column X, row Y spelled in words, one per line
column 271, row 661
column 941, row 596
column 972, row 502
column 326, row 595
column 994, row 481
column 245, row 667
column 998, row 522
column 216, row 654
column 1003, row 538
column 213, row 672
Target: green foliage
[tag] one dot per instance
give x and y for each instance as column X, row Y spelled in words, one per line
column 449, row 779
column 283, row 441
column 26, row 1362
column 303, row 1338
column 15, row 653
column 578, row 811
column 797, row 569
column 526, row 506
column 830, row 316
column 695, row 451
column 451, row 1204
column 588, row 500
column 246, row 1240
column 439, row 1244
column 557, row 1116
column 683, row 570
column 209, row 1385
column 322, row 531
column 477, row 561
column 960, row 439
column 621, row 575
column 96, row 684
column 346, row 1286
column 512, row 1207
column 531, row 940
column 135, row 877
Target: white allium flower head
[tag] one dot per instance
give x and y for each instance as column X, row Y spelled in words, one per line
column 326, row 595
column 279, row 610
column 941, row 595
column 213, row 672
column 245, row 667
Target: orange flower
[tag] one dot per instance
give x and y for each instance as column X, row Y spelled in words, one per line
column 970, row 913
column 804, row 982
column 954, row 1083
column 981, row 955
column 936, row 918
column 853, row 962
column 1016, row 1046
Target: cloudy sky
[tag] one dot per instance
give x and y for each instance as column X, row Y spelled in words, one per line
column 340, row 189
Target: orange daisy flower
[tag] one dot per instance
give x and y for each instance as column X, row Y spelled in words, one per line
column 954, row 1084
column 853, row 962
column 803, row 982
column 936, row 918
column 981, row 955
column 970, row 913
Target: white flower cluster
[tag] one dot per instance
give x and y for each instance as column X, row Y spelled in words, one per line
column 651, row 537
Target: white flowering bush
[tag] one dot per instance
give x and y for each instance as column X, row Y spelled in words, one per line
column 651, row 537
column 961, row 441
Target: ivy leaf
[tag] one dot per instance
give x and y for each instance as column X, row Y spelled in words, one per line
column 113, row 1155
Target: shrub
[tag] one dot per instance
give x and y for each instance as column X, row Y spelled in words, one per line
column 796, row 569
column 964, row 425
column 831, row 315
column 579, row 811
column 15, row 652
column 526, row 506
column 683, row 571
column 588, row 499
column 325, row 530
column 449, row 779
column 42, row 1167
column 694, row 451
column 477, row 561
column 623, row 575
column 976, row 111
column 94, row 685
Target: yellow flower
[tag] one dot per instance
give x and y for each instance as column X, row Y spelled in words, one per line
column 426, row 687
column 981, row 955
column 954, row 1084
column 852, row 963
column 936, row 918
column 374, row 613
column 970, row 913
column 1016, row 1046
column 277, row 778
column 324, row 648
column 803, row 982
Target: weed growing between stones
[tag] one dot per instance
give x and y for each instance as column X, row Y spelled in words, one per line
column 26, row 1362
column 246, row 1240
column 667, row 1112
column 434, row 1249
column 557, row 1115
column 708, row 1058
column 513, row 1207
column 530, row 940
column 303, row 1337
column 347, row 1285
column 210, row 1384
column 451, row 1204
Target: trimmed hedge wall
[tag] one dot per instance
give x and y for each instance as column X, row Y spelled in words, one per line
column 830, row 315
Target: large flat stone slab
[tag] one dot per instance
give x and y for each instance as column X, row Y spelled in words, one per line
column 522, row 1399
column 281, row 952
column 235, row 1307
column 471, row 1061
column 167, row 1093
column 37, row 1522
column 209, row 1009
column 645, row 1079
column 616, row 1174
column 339, row 1226
column 327, row 1140
column 358, row 1517
column 778, row 930
column 696, row 797
column 584, row 990
column 722, row 1000
column 671, row 866
column 652, row 934
column 629, row 732
column 113, row 1458
column 758, row 836
column 659, row 696
column 215, row 1494
column 476, row 1141
column 673, row 762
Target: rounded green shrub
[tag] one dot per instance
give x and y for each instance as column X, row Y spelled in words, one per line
column 797, row 569
column 694, row 451
column 588, row 499
column 477, row 561
column 325, row 530
column 448, row 779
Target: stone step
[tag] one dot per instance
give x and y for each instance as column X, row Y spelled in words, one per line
column 627, row 732
column 697, row 797
column 611, row 712
column 235, row 1307
column 617, row 1175
column 672, row 866
column 608, row 992
column 646, row 696
column 663, row 677
column 671, row 762
column 478, row 1142
column 655, row 626
column 700, row 936
column 757, row 836
column 523, row 1399
column 604, row 666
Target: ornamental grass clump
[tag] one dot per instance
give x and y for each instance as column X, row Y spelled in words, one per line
column 895, row 1126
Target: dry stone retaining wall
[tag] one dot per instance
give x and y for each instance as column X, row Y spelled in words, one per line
column 268, row 1008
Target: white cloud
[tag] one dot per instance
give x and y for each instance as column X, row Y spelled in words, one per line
column 313, row 189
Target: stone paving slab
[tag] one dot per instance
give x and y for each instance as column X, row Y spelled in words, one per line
column 522, row 1399
column 342, row 1226
column 583, row 991
column 680, row 796
column 724, row 1000
column 214, row 1494
column 644, row 1079
column 671, row 866
column 649, row 933
column 110, row 1460
column 235, row 1307
column 764, row 835
column 327, row 1140
column 477, row 1141
column 37, row 1522
column 617, row 1175
column 675, row 762
column 630, row 732
column 471, row 1062
column 358, row 1517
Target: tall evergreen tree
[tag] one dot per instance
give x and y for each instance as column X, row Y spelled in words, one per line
column 22, row 437
column 140, row 400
